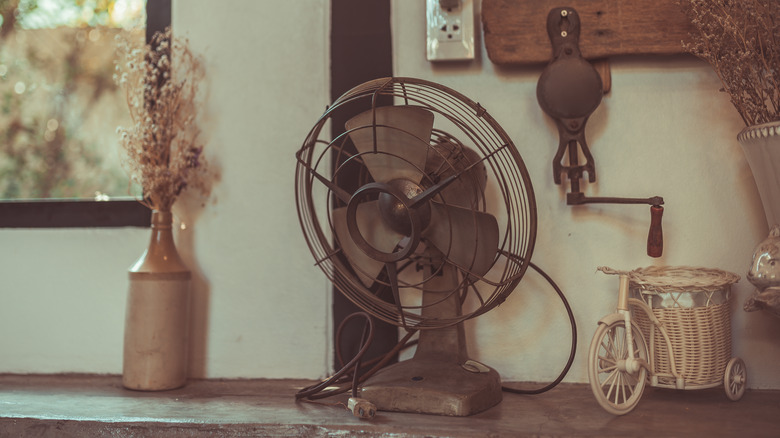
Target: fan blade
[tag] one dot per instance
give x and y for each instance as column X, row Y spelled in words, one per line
column 468, row 238
column 446, row 159
column 402, row 137
column 373, row 230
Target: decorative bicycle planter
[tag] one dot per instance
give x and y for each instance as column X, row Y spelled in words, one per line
column 678, row 322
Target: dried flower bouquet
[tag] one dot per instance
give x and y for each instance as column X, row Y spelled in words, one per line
column 162, row 151
column 741, row 41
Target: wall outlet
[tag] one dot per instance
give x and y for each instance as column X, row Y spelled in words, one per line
column 450, row 30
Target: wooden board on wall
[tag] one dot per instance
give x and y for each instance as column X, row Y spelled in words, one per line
column 515, row 30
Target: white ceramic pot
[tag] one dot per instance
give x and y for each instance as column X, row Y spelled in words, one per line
column 156, row 324
column 761, row 145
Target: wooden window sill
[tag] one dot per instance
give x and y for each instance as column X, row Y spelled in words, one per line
column 90, row 405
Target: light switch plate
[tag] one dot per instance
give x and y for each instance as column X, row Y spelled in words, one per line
column 450, row 30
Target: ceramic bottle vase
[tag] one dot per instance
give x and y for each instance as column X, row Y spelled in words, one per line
column 156, row 324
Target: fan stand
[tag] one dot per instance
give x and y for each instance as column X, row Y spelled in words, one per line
column 440, row 378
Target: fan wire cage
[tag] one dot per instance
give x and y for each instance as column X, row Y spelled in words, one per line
column 322, row 161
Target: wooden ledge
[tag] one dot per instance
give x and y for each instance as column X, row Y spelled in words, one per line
column 87, row 405
column 516, row 30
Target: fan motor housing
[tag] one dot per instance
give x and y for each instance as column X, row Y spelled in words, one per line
column 412, row 220
column 395, row 211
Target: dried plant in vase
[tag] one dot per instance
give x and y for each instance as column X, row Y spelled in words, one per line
column 740, row 39
column 163, row 154
column 162, row 150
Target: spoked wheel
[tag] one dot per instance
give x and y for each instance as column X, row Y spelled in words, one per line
column 617, row 388
column 735, row 379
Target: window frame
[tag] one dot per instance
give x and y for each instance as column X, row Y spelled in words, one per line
column 360, row 50
column 87, row 213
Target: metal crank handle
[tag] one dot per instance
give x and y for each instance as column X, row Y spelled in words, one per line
column 655, row 237
column 578, row 198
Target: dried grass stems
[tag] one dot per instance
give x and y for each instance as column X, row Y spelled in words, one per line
column 162, row 150
column 740, row 39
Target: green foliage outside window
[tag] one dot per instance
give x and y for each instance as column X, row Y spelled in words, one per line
column 59, row 105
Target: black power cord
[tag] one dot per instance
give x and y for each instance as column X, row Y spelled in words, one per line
column 338, row 380
column 352, row 374
column 573, row 350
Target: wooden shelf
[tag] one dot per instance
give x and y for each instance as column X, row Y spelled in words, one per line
column 515, row 30
column 90, row 405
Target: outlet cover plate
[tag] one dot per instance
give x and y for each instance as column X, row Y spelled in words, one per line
column 450, row 30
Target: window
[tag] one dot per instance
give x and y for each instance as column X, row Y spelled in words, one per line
column 59, row 110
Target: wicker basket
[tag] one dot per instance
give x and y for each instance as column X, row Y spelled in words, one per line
column 693, row 306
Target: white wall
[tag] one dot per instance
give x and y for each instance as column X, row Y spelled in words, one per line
column 262, row 308
column 663, row 130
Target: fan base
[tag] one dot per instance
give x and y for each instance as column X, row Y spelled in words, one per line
column 428, row 386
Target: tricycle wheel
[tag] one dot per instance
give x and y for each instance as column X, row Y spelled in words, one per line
column 735, row 380
column 616, row 389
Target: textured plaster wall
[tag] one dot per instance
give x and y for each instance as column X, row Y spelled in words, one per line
column 261, row 308
column 663, row 130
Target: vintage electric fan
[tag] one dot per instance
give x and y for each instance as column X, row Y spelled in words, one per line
column 438, row 228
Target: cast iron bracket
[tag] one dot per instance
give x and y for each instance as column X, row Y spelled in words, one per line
column 569, row 90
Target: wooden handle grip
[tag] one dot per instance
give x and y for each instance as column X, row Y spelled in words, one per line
column 655, row 238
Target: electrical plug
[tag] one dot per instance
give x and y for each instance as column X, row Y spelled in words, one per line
column 361, row 407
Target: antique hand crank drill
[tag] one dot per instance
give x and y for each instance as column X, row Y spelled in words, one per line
column 569, row 90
